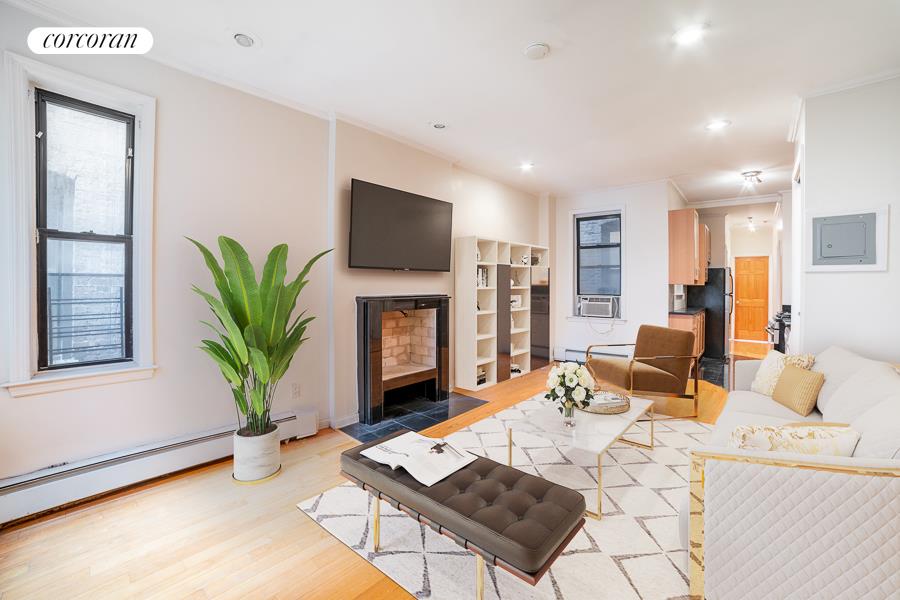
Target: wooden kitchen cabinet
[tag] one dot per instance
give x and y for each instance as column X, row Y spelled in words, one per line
column 692, row 322
column 689, row 248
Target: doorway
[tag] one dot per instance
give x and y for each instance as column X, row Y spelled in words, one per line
column 751, row 297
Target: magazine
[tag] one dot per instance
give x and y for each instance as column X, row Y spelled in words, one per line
column 427, row 459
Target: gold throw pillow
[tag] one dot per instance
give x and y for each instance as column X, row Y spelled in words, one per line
column 798, row 389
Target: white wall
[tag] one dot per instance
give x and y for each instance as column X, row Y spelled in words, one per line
column 750, row 243
column 226, row 163
column 852, row 161
column 645, row 259
column 480, row 207
column 787, row 249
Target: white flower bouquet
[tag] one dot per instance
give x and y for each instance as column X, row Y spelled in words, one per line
column 570, row 385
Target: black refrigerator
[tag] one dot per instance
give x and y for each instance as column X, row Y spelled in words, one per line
column 718, row 300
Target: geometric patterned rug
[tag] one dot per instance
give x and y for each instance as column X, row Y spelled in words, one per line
column 632, row 553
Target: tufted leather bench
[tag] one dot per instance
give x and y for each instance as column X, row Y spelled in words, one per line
column 511, row 519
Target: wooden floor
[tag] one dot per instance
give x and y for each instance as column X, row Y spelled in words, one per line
column 200, row 535
column 750, row 349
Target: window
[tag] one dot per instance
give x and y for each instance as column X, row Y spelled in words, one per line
column 85, row 191
column 598, row 255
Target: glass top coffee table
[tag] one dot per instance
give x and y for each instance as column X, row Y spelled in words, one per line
column 592, row 432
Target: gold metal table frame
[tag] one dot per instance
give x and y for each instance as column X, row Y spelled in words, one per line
column 599, row 513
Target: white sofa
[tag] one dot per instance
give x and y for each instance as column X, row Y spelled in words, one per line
column 780, row 525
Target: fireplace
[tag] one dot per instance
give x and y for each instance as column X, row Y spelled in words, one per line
column 401, row 341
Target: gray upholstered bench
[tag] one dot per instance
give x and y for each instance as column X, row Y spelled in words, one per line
column 513, row 520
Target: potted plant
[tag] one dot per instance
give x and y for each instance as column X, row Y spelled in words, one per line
column 255, row 342
column 570, row 385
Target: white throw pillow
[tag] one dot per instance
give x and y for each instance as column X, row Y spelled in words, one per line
column 879, row 430
column 801, row 439
column 771, row 367
column 837, row 365
column 861, row 391
column 769, row 371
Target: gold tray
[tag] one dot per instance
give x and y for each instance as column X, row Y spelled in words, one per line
column 613, row 409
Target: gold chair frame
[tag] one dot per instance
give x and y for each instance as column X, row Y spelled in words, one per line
column 695, row 367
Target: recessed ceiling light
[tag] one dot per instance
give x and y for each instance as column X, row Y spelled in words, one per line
column 243, row 40
column 537, row 50
column 750, row 225
column 752, row 176
column 717, row 124
column 439, row 125
column 690, row 34
column 526, row 166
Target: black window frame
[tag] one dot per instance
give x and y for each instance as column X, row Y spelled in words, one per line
column 44, row 234
column 579, row 247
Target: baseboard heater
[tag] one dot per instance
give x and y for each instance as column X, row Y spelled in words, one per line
column 578, row 355
column 42, row 490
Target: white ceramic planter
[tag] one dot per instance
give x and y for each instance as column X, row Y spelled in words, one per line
column 256, row 457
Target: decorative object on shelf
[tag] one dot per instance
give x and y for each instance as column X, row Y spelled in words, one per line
column 515, row 301
column 482, row 376
column 535, row 260
column 526, row 259
column 570, row 385
column 477, row 255
column 608, row 403
column 515, row 368
column 256, row 341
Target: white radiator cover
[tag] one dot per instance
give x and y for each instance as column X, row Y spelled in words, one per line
column 42, row 490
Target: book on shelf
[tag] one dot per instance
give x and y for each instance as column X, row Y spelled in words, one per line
column 428, row 460
column 481, row 279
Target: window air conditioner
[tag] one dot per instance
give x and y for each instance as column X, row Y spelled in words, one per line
column 598, row 306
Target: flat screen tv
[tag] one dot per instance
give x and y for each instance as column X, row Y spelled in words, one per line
column 392, row 229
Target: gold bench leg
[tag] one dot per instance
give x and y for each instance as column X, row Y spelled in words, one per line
column 479, row 577
column 376, row 528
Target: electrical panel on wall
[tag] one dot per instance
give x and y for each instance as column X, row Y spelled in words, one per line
column 848, row 241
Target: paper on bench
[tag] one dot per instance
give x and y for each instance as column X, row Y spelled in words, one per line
column 413, row 452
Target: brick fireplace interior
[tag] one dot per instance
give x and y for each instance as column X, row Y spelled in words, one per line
column 408, row 346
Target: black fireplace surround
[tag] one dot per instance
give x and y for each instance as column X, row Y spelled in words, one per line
column 370, row 384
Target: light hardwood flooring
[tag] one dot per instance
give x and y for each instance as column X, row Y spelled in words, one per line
column 199, row 535
column 750, row 349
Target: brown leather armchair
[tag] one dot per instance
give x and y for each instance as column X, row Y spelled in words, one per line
column 661, row 366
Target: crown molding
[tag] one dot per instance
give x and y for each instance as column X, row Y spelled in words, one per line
column 853, row 83
column 738, row 200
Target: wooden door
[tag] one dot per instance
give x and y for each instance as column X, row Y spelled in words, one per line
column 751, row 297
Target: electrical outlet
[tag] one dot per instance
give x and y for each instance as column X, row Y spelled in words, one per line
column 295, row 391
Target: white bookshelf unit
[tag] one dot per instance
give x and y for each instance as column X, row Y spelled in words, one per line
column 490, row 338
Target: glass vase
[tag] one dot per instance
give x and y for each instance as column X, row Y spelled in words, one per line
column 569, row 414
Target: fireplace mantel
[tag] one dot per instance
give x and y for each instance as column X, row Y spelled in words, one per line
column 370, row 384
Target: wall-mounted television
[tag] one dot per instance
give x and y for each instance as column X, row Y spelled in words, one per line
column 392, row 229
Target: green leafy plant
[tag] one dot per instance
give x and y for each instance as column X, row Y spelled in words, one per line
column 256, row 338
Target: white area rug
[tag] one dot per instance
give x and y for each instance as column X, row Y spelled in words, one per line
column 632, row 553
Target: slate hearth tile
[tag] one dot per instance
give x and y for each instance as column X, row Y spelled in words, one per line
column 441, row 413
column 416, row 421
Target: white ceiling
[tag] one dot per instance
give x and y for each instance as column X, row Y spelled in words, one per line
column 616, row 102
